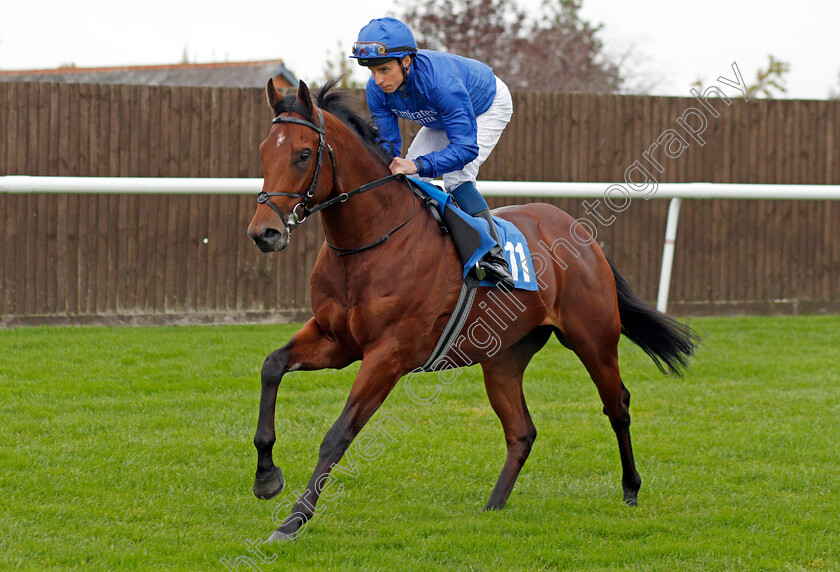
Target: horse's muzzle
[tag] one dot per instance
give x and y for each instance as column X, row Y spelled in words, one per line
column 270, row 239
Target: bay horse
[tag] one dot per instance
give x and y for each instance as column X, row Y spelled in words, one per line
column 386, row 280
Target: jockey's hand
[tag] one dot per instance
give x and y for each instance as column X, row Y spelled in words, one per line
column 401, row 166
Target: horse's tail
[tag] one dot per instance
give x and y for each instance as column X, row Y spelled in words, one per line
column 661, row 337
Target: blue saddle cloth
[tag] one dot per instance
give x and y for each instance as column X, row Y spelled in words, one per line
column 516, row 249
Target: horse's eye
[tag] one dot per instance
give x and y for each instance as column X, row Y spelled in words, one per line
column 304, row 155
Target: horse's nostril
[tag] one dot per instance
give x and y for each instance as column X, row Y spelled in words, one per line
column 271, row 234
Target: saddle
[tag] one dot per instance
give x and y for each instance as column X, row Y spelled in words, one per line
column 472, row 241
column 472, row 237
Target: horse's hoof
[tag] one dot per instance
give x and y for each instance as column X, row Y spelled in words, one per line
column 270, row 486
column 631, row 498
column 278, row 536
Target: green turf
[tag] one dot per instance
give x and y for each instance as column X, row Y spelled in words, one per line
column 132, row 449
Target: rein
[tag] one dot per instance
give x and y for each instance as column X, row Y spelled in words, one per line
column 294, row 219
column 346, row 251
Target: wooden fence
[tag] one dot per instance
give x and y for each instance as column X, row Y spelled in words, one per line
column 164, row 259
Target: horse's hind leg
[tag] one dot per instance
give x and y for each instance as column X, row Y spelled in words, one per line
column 309, row 349
column 503, row 381
column 599, row 353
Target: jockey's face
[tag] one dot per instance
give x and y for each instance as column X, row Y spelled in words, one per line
column 389, row 76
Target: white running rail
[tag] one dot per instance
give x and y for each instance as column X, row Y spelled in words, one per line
column 674, row 191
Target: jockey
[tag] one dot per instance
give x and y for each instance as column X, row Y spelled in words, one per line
column 460, row 104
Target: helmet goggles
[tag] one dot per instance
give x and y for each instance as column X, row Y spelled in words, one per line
column 369, row 50
column 379, row 50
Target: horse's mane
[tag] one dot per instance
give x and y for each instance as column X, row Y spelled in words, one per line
column 338, row 104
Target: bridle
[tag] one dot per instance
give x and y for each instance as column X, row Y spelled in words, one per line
column 295, row 219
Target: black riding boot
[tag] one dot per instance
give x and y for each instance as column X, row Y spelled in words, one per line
column 494, row 263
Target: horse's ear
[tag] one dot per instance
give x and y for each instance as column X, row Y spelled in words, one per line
column 305, row 97
column 272, row 94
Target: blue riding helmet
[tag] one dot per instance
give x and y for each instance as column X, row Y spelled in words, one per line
column 383, row 39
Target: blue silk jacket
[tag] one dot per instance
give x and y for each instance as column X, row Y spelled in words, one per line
column 442, row 91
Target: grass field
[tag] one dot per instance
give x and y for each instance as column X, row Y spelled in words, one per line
column 132, row 449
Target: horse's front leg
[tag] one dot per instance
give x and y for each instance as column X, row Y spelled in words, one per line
column 309, row 349
column 377, row 376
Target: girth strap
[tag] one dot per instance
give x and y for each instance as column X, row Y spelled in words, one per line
column 455, row 324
